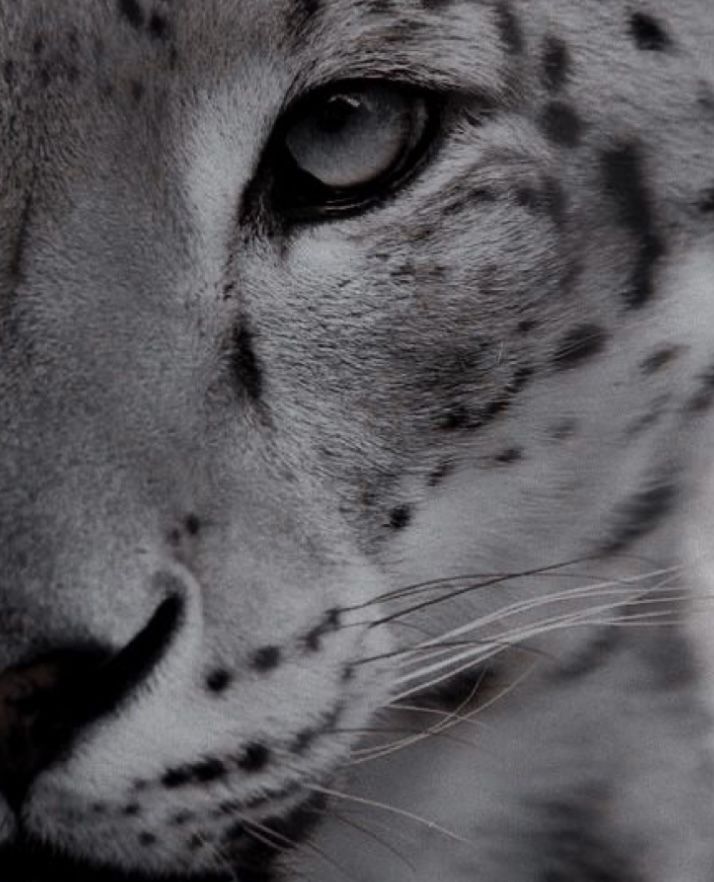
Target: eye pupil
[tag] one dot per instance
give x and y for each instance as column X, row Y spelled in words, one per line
column 337, row 112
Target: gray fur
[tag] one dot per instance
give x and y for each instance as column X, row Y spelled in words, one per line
column 500, row 368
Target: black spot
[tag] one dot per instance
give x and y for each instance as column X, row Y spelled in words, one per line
column 306, row 9
column 45, row 76
column 38, row 44
column 132, row 12
column 400, row 517
column 509, row 455
column 246, row 369
column 561, row 124
column 136, row 90
column 147, row 839
column 219, row 680
column 197, row 841
column 158, row 27
column 99, row 808
column 494, row 408
column 266, row 658
column 556, row 64
column 648, row 33
column 525, row 326
column 458, row 417
column 192, row 524
column 703, row 398
column 640, row 515
column 509, row 28
column 573, row 845
column 208, row 770
column 254, row 758
column 176, row 777
column 131, row 810
column 348, row 673
column 72, row 73
column 182, row 817
column 706, row 203
column 624, row 181
column 659, row 358
column 333, row 620
column 578, row 346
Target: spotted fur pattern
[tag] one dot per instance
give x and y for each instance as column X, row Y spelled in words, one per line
column 232, row 444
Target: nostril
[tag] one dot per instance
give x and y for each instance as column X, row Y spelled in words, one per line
column 45, row 703
column 111, row 683
column 33, row 720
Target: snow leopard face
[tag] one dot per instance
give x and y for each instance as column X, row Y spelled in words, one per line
column 304, row 303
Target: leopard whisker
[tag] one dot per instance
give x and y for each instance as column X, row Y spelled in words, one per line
column 402, row 813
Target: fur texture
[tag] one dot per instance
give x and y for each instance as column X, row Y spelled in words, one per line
column 232, row 444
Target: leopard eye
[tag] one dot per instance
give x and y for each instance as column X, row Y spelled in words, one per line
column 348, row 145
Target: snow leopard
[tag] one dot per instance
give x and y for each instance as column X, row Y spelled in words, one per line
column 356, row 381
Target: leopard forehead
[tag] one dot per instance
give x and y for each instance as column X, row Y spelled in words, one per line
column 238, row 436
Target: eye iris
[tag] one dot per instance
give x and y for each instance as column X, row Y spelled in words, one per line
column 349, row 140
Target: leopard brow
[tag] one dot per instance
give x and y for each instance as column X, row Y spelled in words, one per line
column 434, row 58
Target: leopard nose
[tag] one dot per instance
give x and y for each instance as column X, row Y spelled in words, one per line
column 44, row 704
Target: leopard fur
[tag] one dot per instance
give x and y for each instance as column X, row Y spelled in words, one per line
column 250, row 465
